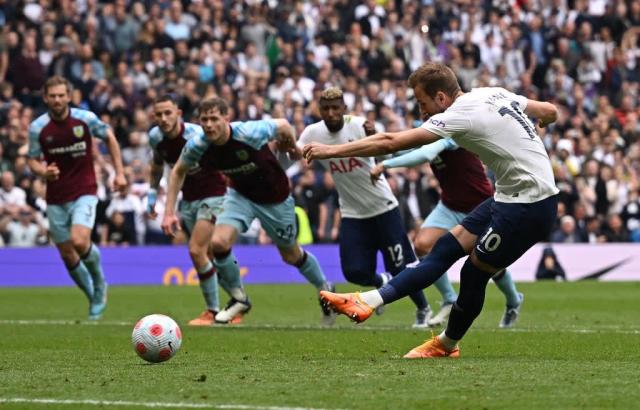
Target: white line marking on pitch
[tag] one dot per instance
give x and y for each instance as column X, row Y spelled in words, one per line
column 602, row 328
column 150, row 404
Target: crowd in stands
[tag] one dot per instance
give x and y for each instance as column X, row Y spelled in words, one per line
column 272, row 58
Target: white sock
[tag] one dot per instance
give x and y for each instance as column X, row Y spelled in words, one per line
column 372, row 298
column 447, row 342
column 238, row 294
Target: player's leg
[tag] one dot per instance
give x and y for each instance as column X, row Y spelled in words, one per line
column 236, row 217
column 59, row 217
column 83, row 215
column 358, row 249
column 279, row 222
column 514, row 299
column 201, row 235
column 447, row 250
column 76, row 268
column 513, row 229
column 439, row 221
column 397, row 253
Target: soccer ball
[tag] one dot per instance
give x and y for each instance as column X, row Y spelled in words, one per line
column 156, row 338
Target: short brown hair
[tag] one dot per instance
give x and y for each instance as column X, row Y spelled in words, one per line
column 434, row 77
column 165, row 98
column 56, row 80
column 213, row 104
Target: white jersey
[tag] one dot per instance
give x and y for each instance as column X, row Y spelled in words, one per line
column 359, row 198
column 491, row 123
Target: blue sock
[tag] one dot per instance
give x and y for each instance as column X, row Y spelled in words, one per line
column 445, row 252
column 80, row 275
column 311, row 270
column 443, row 284
column 92, row 260
column 504, row 282
column 228, row 271
column 473, row 284
column 209, row 286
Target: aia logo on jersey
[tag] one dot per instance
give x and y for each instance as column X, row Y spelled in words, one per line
column 78, row 131
column 343, row 165
column 242, row 155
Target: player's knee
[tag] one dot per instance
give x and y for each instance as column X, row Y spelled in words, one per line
column 197, row 252
column 80, row 243
column 291, row 258
column 220, row 245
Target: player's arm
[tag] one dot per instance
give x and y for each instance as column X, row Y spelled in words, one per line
column 286, row 138
column 426, row 153
column 176, row 180
column 50, row 172
column 377, row 144
column 120, row 182
column 157, row 169
column 546, row 112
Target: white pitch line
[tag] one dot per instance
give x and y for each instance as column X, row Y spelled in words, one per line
column 602, row 328
column 151, row 404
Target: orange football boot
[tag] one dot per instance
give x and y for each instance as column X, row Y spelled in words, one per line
column 207, row 318
column 349, row 304
column 432, row 348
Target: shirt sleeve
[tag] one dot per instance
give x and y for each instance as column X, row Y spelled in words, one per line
column 449, row 124
column 34, row 141
column 155, row 137
column 193, row 150
column 97, row 128
column 254, row 133
column 418, row 156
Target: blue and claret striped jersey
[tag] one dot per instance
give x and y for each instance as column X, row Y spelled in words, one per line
column 68, row 143
column 245, row 159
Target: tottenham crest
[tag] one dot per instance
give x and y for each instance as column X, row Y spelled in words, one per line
column 78, row 131
column 242, row 155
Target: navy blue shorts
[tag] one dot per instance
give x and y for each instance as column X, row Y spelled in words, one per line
column 361, row 239
column 506, row 230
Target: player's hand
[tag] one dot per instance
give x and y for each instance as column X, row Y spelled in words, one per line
column 369, row 128
column 152, row 197
column 316, row 150
column 52, row 172
column 120, row 183
column 295, row 153
column 170, row 224
column 375, row 173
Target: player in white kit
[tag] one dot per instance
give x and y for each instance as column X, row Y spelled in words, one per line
column 371, row 221
column 492, row 123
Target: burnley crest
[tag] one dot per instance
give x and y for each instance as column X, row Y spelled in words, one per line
column 78, row 131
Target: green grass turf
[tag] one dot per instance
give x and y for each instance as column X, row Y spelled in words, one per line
column 577, row 345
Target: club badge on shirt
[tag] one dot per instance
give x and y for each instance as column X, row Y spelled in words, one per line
column 242, row 155
column 78, row 131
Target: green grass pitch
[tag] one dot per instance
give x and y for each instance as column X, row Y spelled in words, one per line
column 576, row 345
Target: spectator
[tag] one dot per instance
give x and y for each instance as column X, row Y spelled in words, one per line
column 268, row 58
column 11, row 196
column 549, row 267
column 567, row 233
column 21, row 229
column 614, row 230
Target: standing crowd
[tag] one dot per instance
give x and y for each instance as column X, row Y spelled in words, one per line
column 273, row 60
